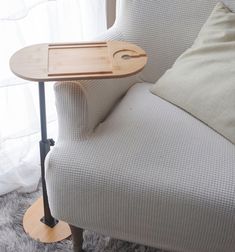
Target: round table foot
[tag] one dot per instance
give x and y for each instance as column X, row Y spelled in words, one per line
column 38, row 230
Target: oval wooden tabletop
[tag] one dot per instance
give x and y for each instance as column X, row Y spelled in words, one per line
column 71, row 61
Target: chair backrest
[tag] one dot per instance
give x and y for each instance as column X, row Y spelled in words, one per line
column 164, row 28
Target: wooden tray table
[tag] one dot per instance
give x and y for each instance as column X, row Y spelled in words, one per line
column 70, row 61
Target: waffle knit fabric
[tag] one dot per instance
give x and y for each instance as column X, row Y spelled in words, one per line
column 138, row 168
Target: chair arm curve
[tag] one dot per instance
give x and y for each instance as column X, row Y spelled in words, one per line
column 82, row 105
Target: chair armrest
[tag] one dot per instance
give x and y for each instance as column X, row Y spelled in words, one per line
column 82, row 105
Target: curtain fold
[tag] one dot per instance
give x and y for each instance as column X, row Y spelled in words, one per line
column 25, row 22
column 111, row 12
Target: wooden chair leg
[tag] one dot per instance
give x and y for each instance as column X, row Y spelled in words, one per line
column 77, row 238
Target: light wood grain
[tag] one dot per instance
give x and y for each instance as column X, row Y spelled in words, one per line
column 31, row 63
column 79, row 59
column 39, row 231
column 80, row 43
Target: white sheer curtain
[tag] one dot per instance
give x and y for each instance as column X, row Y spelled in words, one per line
column 25, row 22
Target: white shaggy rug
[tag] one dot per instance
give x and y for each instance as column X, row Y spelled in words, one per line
column 14, row 239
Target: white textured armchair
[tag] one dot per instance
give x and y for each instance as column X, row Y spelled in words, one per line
column 132, row 166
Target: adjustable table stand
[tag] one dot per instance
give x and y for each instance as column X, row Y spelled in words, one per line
column 44, row 149
column 47, row 62
column 38, row 221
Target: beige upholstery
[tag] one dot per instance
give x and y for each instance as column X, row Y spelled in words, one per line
column 137, row 167
column 201, row 81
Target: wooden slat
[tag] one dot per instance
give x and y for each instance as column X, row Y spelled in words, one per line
column 79, row 59
column 77, row 44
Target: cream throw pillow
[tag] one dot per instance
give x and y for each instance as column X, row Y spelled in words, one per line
column 202, row 80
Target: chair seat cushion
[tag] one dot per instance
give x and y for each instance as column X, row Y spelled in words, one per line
column 150, row 173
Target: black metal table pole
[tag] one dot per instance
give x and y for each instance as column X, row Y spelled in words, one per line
column 44, row 149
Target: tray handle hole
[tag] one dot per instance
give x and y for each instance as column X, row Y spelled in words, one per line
column 126, row 57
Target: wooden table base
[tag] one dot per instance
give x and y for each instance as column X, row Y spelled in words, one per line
column 41, row 232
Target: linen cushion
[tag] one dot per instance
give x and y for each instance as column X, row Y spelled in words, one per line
column 202, row 80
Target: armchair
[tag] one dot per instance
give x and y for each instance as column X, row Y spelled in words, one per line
column 132, row 166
